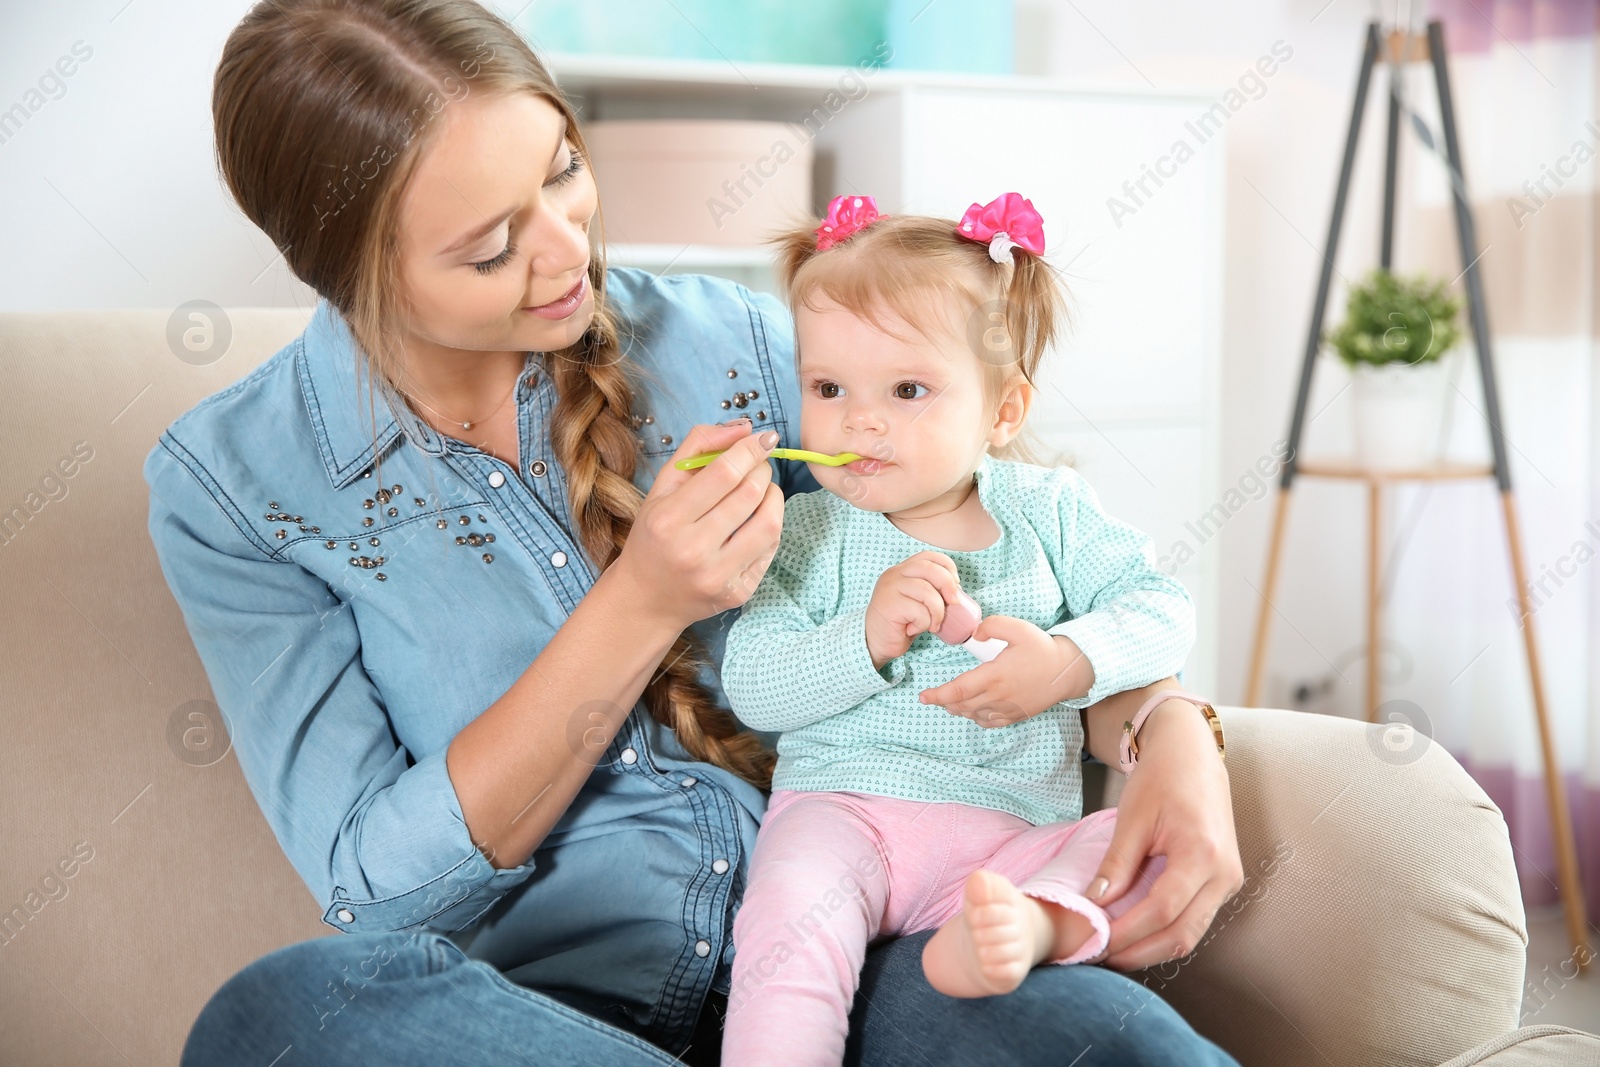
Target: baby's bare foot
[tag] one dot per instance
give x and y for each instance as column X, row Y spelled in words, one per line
column 990, row 947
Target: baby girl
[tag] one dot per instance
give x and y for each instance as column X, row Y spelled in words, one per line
column 917, row 787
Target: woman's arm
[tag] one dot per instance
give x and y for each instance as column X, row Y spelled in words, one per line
column 386, row 839
column 1176, row 804
column 690, row 555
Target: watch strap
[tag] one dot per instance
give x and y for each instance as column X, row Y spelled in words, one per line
column 1128, row 754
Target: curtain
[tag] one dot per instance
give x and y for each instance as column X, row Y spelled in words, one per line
column 1523, row 75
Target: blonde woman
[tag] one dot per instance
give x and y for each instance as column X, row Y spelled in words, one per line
column 462, row 614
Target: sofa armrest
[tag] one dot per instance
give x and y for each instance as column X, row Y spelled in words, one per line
column 1380, row 920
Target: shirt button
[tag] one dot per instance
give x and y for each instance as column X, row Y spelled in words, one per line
column 687, row 782
column 702, row 948
column 559, row 559
column 629, row 756
column 496, row 479
column 345, row 916
column 537, row 468
column 720, row 866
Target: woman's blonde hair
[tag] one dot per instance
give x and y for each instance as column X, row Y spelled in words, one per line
column 322, row 109
column 914, row 266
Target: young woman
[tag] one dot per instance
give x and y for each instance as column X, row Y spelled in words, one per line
column 462, row 613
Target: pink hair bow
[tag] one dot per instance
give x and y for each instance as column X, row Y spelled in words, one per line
column 846, row 215
column 1006, row 222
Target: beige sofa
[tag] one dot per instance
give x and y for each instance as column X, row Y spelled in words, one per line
column 1380, row 923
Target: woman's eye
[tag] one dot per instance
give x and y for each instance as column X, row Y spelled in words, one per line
column 489, row 266
column 899, row 390
column 572, row 170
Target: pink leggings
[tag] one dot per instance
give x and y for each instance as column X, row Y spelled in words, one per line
column 835, row 872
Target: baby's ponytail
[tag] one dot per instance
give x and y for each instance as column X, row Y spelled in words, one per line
column 1035, row 309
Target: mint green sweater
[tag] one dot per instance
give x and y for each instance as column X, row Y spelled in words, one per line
column 796, row 660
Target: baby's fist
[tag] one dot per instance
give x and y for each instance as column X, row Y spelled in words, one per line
column 910, row 598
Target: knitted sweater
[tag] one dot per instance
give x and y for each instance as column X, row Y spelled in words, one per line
column 796, row 660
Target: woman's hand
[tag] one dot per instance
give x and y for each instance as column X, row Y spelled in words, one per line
column 1033, row 672
column 1176, row 804
column 703, row 538
column 910, row 598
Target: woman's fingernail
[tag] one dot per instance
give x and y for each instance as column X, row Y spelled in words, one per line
column 1098, row 887
column 769, row 439
column 741, row 418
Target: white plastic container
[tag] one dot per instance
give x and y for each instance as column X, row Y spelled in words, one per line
column 700, row 181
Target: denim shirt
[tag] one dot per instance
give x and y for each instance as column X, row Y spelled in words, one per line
column 350, row 628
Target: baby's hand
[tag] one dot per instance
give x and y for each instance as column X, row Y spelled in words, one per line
column 1033, row 672
column 910, row 598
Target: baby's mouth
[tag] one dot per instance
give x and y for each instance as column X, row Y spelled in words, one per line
column 867, row 466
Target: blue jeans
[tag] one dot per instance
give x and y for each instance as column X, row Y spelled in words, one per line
column 429, row 1004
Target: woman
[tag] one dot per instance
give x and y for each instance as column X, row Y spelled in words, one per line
column 461, row 611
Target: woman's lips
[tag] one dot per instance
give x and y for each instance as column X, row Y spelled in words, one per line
column 560, row 309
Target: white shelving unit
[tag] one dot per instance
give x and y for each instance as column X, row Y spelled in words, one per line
column 1131, row 397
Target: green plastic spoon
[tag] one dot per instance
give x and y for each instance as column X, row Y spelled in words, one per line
column 777, row 453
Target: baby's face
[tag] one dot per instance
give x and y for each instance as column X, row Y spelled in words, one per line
column 913, row 406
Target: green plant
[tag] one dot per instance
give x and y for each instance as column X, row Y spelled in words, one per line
column 1393, row 319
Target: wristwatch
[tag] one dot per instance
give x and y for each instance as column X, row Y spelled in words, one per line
column 1129, row 755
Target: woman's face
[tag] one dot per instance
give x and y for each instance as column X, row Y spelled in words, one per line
column 494, row 229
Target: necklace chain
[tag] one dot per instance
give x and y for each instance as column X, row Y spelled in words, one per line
column 468, row 424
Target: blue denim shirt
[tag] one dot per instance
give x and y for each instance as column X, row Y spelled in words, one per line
column 350, row 629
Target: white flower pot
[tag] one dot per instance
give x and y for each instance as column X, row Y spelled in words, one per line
column 1397, row 411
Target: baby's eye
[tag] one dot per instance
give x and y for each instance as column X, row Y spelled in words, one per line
column 900, row 390
column 824, row 387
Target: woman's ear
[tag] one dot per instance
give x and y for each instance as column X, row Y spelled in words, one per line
column 1011, row 413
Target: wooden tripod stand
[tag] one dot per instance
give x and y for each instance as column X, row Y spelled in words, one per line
column 1402, row 47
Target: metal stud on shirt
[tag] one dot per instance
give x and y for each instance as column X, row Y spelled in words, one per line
column 496, row 479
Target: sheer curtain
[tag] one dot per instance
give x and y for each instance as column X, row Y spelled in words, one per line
column 1523, row 73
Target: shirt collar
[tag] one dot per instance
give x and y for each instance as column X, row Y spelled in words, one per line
column 353, row 426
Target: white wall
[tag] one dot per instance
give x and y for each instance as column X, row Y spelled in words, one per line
column 108, row 193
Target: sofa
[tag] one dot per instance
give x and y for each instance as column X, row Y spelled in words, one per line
column 1380, row 921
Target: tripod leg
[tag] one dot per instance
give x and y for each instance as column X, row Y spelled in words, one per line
column 1555, row 789
column 1258, row 656
column 1390, row 167
column 1319, row 307
column 1374, row 577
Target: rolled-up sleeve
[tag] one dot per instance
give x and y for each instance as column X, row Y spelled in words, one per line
column 1133, row 622
column 377, row 835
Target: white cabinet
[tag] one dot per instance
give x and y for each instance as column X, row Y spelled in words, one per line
column 1131, row 395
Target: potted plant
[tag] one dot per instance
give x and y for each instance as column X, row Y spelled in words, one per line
column 1394, row 334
